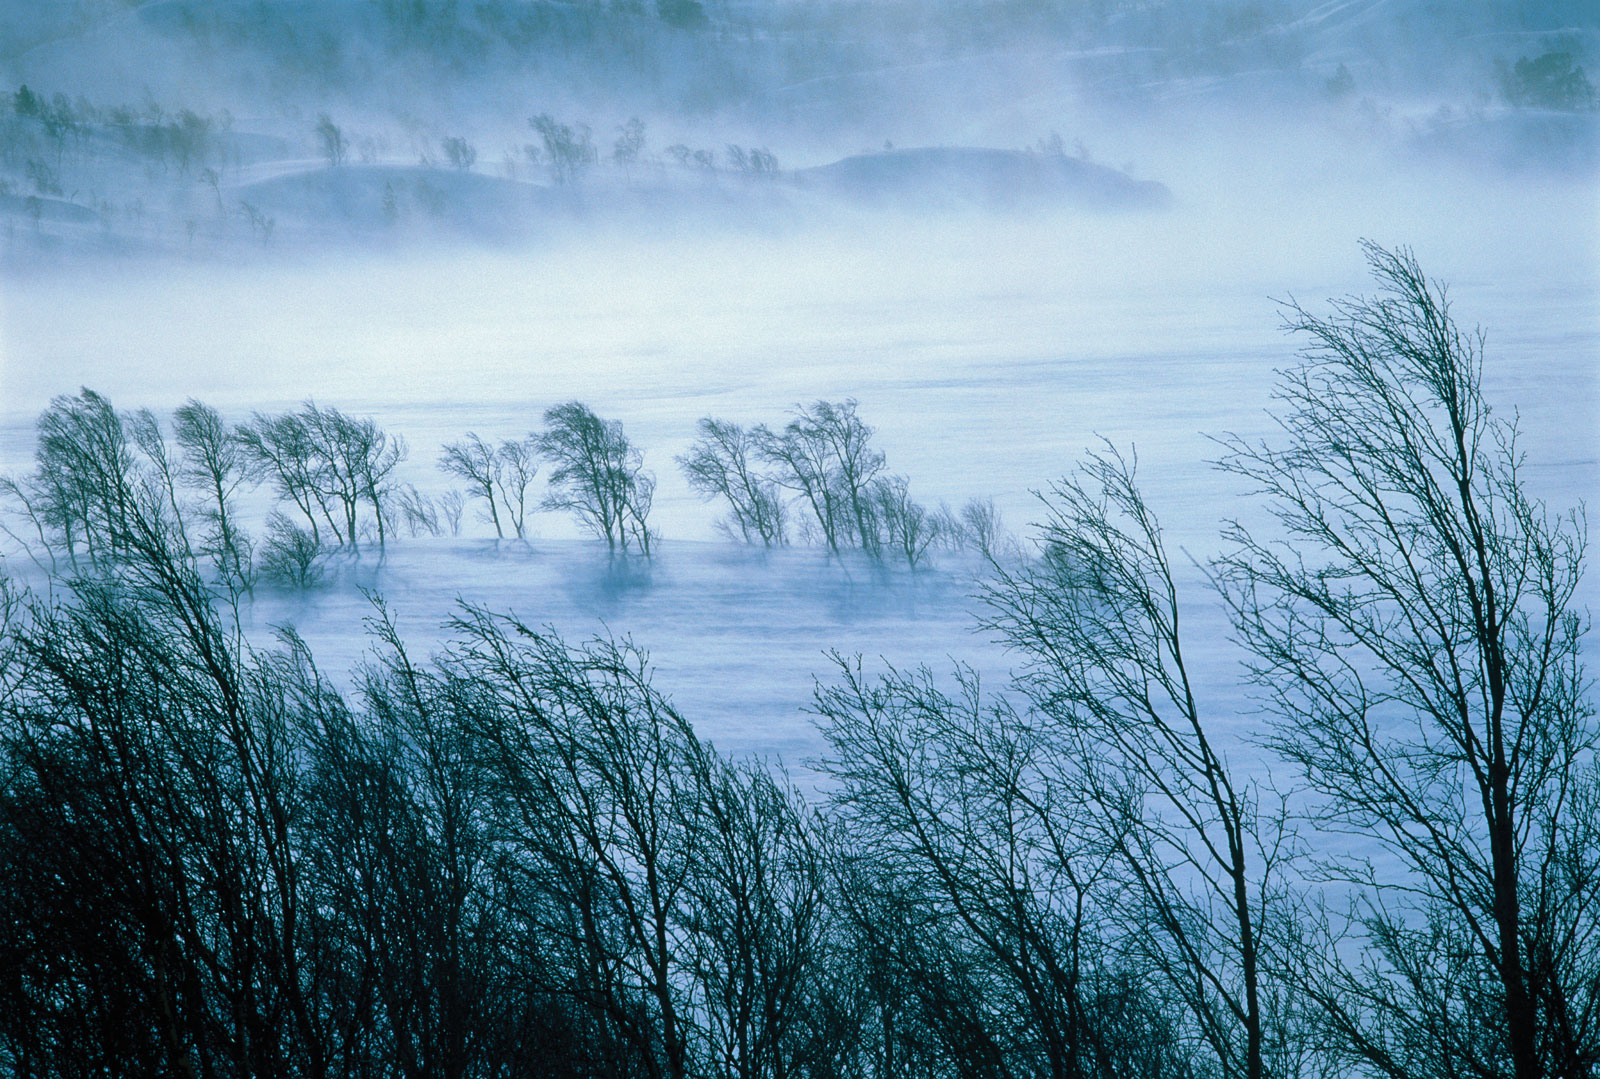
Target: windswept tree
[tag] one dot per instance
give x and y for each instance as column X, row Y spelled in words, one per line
column 824, row 455
column 595, row 772
column 475, row 461
column 329, row 465
column 1096, row 620
column 217, row 465
column 518, row 465
column 441, row 975
column 357, row 460
column 151, row 797
column 756, row 907
column 1415, row 633
column 569, row 151
column 684, row 892
column 906, row 528
column 498, row 475
column 83, row 486
column 978, row 526
column 721, row 464
column 281, row 453
column 597, row 475
column 982, row 890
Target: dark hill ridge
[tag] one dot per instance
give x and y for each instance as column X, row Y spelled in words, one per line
column 363, row 198
column 301, row 201
column 990, row 178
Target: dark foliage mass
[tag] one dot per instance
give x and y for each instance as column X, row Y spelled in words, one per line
column 515, row 857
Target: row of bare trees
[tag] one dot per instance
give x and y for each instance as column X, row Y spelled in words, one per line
column 820, row 474
column 335, row 481
column 514, row 856
column 597, row 476
column 93, row 463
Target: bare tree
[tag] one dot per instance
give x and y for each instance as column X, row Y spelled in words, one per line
column 1420, row 648
column 595, row 770
column 824, row 454
column 442, row 921
column 1097, row 621
column 144, row 734
column 515, row 472
column 597, row 475
column 281, row 451
column 356, row 460
column 451, row 504
column 802, row 465
column 719, row 465
column 476, row 462
column 981, row 529
column 756, row 918
column 84, row 483
column 329, row 465
column 417, row 510
column 217, row 464
column 567, row 150
column 979, row 880
column 290, row 555
column 906, row 527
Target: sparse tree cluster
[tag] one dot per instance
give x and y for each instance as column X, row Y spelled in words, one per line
column 515, row 856
column 338, row 471
column 93, row 463
column 1551, row 80
column 335, row 478
column 498, row 476
column 754, row 161
column 820, row 466
column 568, row 151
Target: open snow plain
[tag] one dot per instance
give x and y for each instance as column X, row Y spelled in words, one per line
column 988, row 352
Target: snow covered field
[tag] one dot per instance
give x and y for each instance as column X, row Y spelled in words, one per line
column 988, row 352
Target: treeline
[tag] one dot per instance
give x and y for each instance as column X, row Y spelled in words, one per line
column 335, row 483
column 51, row 127
column 516, row 857
column 50, row 148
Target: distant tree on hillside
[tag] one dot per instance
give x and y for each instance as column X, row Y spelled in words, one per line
column 629, row 145
column 459, row 152
column 568, row 151
column 1552, row 80
column 25, row 102
column 332, row 140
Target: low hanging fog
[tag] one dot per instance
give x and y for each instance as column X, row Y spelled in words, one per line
column 993, row 242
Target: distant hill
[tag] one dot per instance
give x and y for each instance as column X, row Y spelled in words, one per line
column 993, row 179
